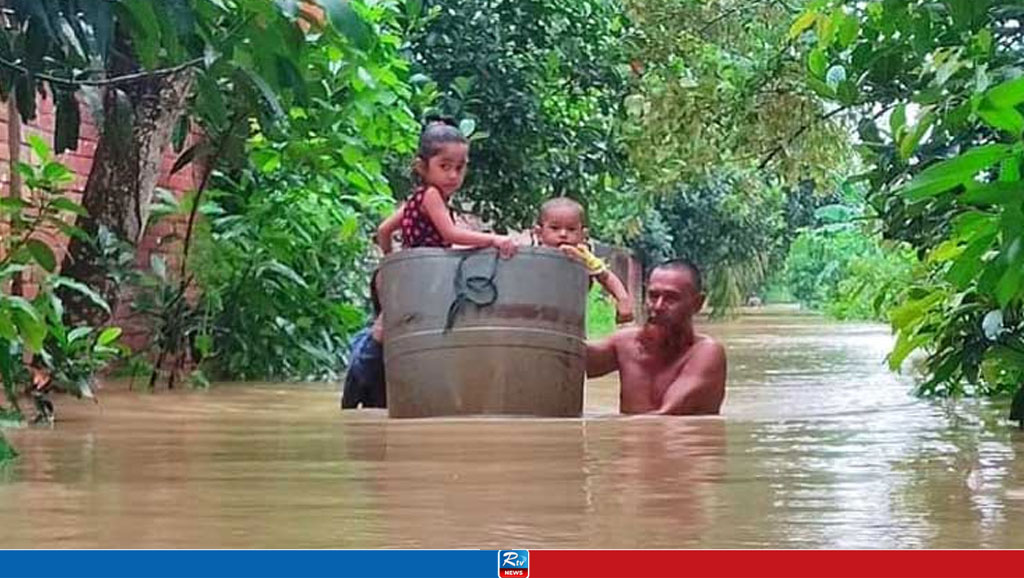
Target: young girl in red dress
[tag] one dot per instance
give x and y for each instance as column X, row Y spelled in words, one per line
column 425, row 218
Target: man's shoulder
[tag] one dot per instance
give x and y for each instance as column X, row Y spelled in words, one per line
column 708, row 342
column 708, row 346
column 706, row 353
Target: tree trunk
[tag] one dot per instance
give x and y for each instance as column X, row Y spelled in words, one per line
column 137, row 126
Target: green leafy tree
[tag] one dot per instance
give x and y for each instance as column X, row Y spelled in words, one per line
column 842, row 266
column 721, row 85
column 729, row 146
column 281, row 259
column 730, row 230
column 541, row 84
column 939, row 92
column 147, row 69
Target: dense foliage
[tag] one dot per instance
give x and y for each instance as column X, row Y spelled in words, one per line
column 724, row 140
column 938, row 89
column 841, row 265
column 542, row 83
column 283, row 258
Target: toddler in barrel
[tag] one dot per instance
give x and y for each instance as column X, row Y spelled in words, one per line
column 561, row 224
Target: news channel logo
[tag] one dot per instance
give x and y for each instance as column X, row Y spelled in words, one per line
column 513, row 563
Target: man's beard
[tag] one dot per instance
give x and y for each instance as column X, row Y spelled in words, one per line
column 658, row 338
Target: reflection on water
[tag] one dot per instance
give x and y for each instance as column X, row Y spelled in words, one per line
column 819, row 446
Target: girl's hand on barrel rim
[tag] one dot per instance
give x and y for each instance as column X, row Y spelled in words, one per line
column 506, row 246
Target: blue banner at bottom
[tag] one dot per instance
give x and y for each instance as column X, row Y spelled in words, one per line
column 251, row 563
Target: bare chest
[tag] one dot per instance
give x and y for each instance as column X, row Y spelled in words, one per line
column 644, row 381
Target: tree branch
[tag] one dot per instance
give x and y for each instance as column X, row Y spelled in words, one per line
column 796, row 134
column 113, row 81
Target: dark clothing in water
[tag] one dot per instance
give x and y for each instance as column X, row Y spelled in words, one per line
column 364, row 382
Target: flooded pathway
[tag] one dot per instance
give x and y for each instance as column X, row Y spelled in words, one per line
column 819, row 446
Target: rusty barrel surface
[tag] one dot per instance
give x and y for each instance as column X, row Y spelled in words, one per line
column 521, row 355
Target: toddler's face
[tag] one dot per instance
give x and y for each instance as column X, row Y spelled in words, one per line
column 561, row 226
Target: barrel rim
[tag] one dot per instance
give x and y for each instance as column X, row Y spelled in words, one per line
column 421, row 252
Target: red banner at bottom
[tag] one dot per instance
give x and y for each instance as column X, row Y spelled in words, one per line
column 775, row 563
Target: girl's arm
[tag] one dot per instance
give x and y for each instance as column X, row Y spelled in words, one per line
column 388, row 228
column 436, row 209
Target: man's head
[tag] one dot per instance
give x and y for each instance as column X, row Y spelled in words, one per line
column 561, row 222
column 675, row 293
column 674, row 296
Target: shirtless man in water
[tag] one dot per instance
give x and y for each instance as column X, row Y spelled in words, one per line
column 665, row 367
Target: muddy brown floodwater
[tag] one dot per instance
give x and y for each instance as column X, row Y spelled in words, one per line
column 818, row 446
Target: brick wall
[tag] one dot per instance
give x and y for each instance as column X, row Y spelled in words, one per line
column 80, row 162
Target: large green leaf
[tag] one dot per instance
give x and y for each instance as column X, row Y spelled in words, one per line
column 950, row 173
column 996, row 193
column 802, row 24
column 42, row 254
column 1007, row 94
column 817, row 62
column 109, row 335
column 1009, row 286
column 346, row 20
column 13, row 205
column 905, row 345
column 969, row 263
column 8, row 332
column 908, row 313
column 82, row 289
column 1004, row 118
column 898, row 120
column 31, row 328
column 69, row 206
column 78, row 333
column 913, row 137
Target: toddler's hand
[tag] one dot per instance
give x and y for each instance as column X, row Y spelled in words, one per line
column 573, row 253
column 506, row 246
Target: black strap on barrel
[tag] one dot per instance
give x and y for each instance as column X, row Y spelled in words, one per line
column 477, row 289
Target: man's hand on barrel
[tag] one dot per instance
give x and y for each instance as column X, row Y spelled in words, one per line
column 623, row 311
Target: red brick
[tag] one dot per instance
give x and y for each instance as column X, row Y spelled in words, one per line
column 88, row 131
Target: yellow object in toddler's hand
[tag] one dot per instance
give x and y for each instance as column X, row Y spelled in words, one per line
column 594, row 265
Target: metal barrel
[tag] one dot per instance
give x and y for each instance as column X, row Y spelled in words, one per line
column 523, row 354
